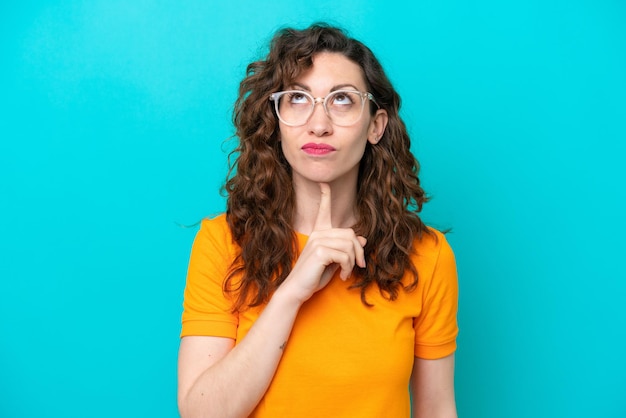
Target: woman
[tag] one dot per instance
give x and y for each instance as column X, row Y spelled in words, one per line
column 320, row 292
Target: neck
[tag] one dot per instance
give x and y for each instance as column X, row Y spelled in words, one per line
column 343, row 205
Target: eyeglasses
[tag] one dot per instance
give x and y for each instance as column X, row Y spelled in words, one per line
column 343, row 107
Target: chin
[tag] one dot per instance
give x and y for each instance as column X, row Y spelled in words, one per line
column 330, row 176
column 315, row 178
column 321, row 179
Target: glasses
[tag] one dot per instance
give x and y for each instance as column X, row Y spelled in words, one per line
column 343, row 107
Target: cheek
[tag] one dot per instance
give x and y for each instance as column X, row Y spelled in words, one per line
column 287, row 148
column 284, row 144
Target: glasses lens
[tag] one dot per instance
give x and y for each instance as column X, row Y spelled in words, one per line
column 294, row 107
column 344, row 107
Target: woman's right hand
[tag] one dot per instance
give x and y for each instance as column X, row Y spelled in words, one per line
column 326, row 250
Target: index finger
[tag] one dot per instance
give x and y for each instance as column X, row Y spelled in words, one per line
column 323, row 220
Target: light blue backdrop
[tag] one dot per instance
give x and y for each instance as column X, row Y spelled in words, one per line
column 112, row 119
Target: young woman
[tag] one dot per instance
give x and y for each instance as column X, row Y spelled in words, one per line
column 319, row 292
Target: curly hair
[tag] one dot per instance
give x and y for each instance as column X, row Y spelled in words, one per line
column 260, row 195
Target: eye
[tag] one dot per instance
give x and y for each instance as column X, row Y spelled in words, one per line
column 298, row 98
column 342, row 98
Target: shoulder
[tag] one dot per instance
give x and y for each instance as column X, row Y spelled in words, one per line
column 432, row 254
column 216, row 224
column 431, row 244
column 215, row 234
column 216, row 227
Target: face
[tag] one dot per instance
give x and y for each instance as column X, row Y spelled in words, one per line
column 320, row 151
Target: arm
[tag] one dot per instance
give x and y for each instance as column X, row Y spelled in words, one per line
column 432, row 388
column 432, row 378
column 220, row 379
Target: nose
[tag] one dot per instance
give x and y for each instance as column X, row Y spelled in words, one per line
column 319, row 123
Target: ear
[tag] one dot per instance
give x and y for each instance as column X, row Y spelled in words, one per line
column 377, row 127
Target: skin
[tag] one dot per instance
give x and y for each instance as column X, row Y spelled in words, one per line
column 340, row 167
column 211, row 368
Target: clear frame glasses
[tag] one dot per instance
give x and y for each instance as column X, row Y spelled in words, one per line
column 343, row 107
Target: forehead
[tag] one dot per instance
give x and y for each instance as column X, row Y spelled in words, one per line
column 331, row 70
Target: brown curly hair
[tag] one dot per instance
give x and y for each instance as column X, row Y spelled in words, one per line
column 260, row 195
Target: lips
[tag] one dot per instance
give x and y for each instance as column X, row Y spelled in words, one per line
column 317, row 149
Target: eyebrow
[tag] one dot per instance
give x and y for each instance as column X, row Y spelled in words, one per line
column 333, row 88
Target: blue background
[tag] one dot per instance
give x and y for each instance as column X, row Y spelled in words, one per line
column 112, row 121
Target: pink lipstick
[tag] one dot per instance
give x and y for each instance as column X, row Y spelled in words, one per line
column 317, row 149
